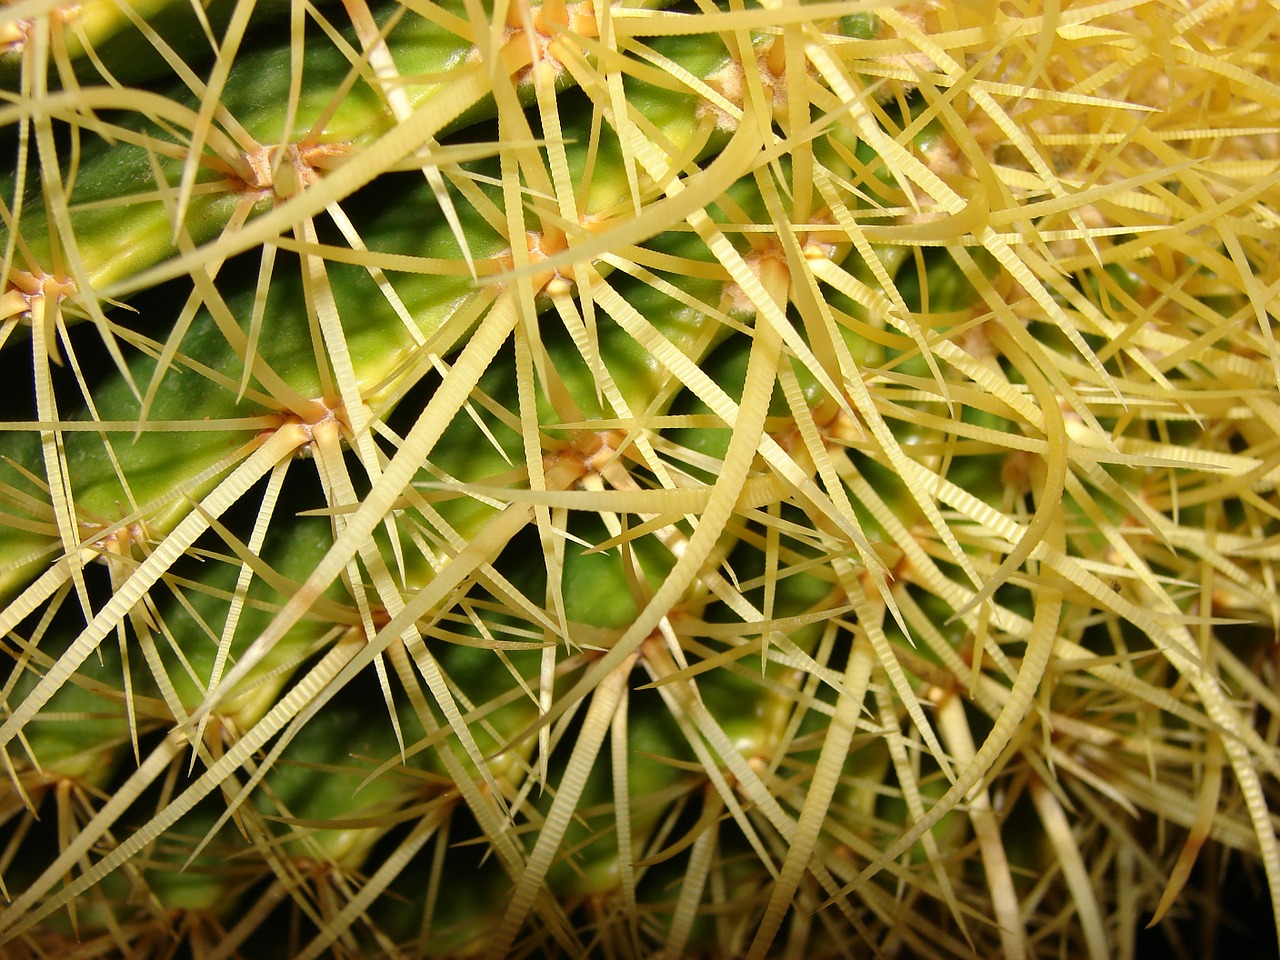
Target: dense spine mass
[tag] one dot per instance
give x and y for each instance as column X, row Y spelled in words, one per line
column 642, row 479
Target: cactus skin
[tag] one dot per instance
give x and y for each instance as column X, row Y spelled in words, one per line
column 492, row 480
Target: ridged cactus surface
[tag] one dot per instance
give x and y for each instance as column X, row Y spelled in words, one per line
column 639, row 479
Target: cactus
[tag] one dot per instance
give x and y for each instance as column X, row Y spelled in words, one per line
column 498, row 479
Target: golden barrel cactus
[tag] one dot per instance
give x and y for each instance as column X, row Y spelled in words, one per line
column 482, row 478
